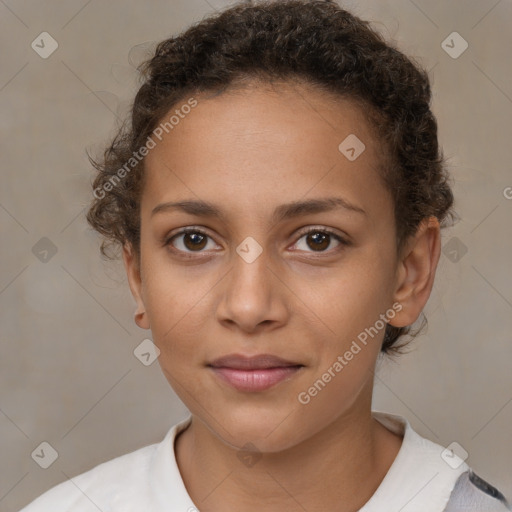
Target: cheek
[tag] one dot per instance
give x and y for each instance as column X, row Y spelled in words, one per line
column 333, row 393
column 173, row 315
column 347, row 342
column 178, row 308
column 351, row 297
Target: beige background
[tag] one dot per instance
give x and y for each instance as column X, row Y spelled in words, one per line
column 68, row 373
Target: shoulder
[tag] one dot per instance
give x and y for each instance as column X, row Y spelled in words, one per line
column 428, row 477
column 100, row 487
column 472, row 493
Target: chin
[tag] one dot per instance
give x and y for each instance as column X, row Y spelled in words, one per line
column 269, row 430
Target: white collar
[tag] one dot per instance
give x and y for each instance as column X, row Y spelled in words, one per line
column 419, row 480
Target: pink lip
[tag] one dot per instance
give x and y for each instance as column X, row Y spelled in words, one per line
column 256, row 373
column 258, row 362
column 255, row 380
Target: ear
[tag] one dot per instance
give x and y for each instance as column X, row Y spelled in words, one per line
column 132, row 267
column 416, row 271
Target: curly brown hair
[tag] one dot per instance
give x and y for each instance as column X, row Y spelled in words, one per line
column 316, row 42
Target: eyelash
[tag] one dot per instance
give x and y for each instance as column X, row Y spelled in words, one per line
column 190, row 254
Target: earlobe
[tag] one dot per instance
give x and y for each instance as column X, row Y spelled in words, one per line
column 416, row 272
column 132, row 267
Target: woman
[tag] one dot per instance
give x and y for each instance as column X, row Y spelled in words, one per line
column 278, row 197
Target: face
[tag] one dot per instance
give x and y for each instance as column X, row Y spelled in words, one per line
column 289, row 252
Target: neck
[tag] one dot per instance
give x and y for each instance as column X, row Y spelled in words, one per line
column 339, row 468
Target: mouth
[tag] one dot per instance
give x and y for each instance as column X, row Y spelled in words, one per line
column 256, row 373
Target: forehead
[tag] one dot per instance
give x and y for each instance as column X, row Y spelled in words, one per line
column 257, row 146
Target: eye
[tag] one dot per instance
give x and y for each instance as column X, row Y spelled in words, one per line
column 319, row 240
column 193, row 239
column 189, row 240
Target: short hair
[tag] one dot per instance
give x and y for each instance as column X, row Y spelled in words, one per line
column 318, row 43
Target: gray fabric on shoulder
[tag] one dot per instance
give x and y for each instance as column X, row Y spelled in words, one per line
column 473, row 494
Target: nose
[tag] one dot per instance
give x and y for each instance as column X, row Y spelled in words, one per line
column 253, row 297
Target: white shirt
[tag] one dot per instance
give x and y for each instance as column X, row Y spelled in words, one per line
column 148, row 479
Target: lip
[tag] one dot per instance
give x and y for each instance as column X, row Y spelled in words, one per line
column 257, row 362
column 255, row 373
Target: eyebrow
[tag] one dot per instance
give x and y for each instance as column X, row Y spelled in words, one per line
column 281, row 212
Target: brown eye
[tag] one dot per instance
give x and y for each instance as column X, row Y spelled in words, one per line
column 194, row 241
column 319, row 240
column 189, row 240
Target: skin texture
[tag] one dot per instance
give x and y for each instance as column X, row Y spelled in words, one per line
column 249, row 151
